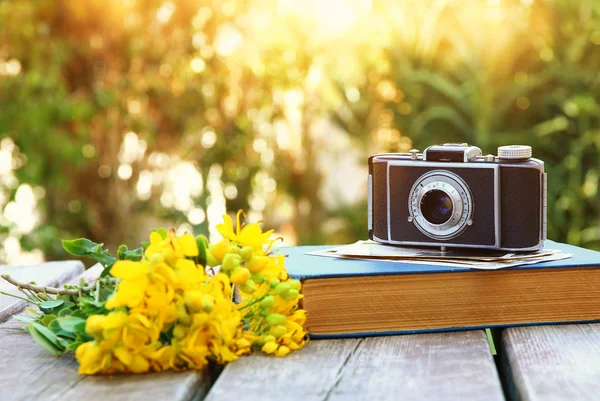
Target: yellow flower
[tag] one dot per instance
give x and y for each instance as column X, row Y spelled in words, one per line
column 112, row 328
column 197, row 301
column 239, row 275
column 134, row 362
column 131, row 289
column 219, row 249
column 94, row 325
column 270, row 347
column 171, row 248
column 163, row 358
column 282, row 351
column 158, row 296
column 257, row 263
column 244, row 234
column 139, row 331
column 92, row 358
column 187, row 244
column 189, row 275
column 275, row 269
column 168, row 313
column 243, row 345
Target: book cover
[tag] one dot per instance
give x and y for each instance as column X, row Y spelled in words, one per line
column 351, row 297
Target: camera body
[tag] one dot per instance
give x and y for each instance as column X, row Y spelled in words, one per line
column 452, row 196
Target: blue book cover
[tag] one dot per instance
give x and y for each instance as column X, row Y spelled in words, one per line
column 398, row 298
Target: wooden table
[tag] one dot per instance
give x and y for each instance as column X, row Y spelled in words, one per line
column 533, row 363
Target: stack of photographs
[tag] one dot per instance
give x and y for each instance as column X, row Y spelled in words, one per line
column 469, row 258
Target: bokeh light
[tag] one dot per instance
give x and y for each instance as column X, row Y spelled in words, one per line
column 120, row 117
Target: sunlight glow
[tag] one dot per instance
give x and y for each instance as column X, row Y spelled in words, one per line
column 11, row 68
column 198, row 65
column 184, row 182
column 216, row 202
column 22, row 212
column 164, row 13
column 125, row 171
column 331, row 18
column 144, row 185
column 228, row 40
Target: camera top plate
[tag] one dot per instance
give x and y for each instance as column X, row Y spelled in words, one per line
column 451, row 152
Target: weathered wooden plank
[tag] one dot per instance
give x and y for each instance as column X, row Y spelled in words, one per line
column 307, row 374
column 552, row 363
column 28, row 372
column 432, row 367
column 47, row 274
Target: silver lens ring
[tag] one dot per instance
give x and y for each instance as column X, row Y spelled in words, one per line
column 450, row 185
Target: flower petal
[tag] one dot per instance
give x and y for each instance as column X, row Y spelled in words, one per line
column 188, row 245
column 226, row 228
column 127, row 269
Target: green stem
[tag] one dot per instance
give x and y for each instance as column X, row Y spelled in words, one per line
column 34, row 295
column 18, row 297
column 97, row 290
column 252, row 303
column 27, row 295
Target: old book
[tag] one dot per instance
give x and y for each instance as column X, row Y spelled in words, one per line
column 349, row 297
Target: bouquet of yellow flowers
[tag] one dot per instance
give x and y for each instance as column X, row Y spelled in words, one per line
column 174, row 303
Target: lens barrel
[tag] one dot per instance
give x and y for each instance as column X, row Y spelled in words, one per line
column 440, row 204
column 437, row 206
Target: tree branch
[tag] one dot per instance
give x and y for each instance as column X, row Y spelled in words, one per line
column 39, row 288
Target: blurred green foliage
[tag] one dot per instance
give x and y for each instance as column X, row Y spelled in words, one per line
column 266, row 98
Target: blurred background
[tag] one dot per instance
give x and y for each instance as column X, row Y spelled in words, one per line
column 119, row 116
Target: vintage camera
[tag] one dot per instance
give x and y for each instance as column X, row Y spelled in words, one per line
column 452, row 196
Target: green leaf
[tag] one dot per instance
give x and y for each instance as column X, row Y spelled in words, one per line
column 50, row 335
column 145, row 244
column 121, row 252
column 133, row 255
column 162, row 232
column 202, row 243
column 85, row 247
column 55, row 327
column 46, row 320
column 43, row 341
column 80, row 247
column 25, row 319
column 80, row 339
column 67, row 305
column 72, row 324
column 51, row 304
column 33, row 312
column 65, row 312
column 80, row 314
column 41, row 336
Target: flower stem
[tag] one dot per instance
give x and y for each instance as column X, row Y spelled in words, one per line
column 27, row 294
column 28, row 300
column 257, row 300
column 97, row 298
column 34, row 295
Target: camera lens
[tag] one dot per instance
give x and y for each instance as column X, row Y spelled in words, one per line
column 436, row 206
